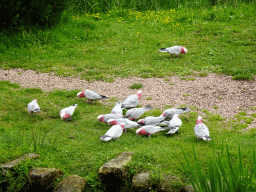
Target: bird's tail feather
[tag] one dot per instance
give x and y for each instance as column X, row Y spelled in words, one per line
column 148, row 107
column 162, row 50
column 37, row 110
column 105, row 138
column 206, row 138
column 103, row 97
column 185, row 109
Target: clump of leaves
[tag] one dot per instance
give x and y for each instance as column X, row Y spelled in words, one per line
column 136, row 86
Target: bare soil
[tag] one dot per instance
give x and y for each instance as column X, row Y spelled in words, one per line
column 215, row 93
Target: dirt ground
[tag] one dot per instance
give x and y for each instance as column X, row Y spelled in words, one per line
column 217, row 94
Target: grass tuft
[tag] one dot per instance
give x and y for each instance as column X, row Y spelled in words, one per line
column 136, row 86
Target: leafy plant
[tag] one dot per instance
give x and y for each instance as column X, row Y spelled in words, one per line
column 223, row 173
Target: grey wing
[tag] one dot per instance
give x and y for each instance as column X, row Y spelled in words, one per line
column 153, row 129
column 115, row 131
column 164, row 123
column 201, row 130
column 173, row 130
column 130, row 124
column 176, row 50
column 136, row 112
column 131, row 101
column 70, row 110
column 91, row 95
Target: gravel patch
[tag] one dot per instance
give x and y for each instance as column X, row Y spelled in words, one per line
column 215, row 93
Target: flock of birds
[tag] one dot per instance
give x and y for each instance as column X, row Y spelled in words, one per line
column 168, row 120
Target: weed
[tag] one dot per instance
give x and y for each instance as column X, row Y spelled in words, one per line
column 136, row 86
column 188, row 79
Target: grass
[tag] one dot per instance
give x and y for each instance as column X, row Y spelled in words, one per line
column 136, row 86
column 124, row 43
column 223, row 175
column 75, row 146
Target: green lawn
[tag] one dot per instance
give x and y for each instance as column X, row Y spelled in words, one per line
column 124, row 43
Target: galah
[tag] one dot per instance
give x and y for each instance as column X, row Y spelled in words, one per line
column 106, row 117
column 174, row 124
column 113, row 133
column 149, row 130
column 132, row 100
column 117, row 109
column 150, row 120
column 174, row 50
column 33, row 107
column 91, row 95
column 201, row 130
column 135, row 113
column 170, row 112
column 66, row 113
column 128, row 123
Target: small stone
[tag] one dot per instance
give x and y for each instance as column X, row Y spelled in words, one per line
column 113, row 173
column 72, row 183
column 116, row 166
column 44, row 177
column 140, row 182
column 10, row 165
column 189, row 188
column 171, row 183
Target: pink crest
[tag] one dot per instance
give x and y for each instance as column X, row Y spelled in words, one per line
column 122, row 125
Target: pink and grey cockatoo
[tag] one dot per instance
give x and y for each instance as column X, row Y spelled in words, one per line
column 132, row 100
column 135, row 113
column 117, row 109
column 174, row 50
column 174, row 124
column 106, row 117
column 150, row 120
column 33, row 107
column 170, row 112
column 113, row 133
column 128, row 123
column 201, row 130
column 91, row 95
column 149, row 130
column 66, row 113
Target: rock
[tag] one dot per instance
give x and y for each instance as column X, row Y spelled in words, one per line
column 113, row 173
column 171, row 183
column 189, row 188
column 8, row 167
column 44, row 178
column 116, row 166
column 72, row 183
column 141, row 182
column 14, row 163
